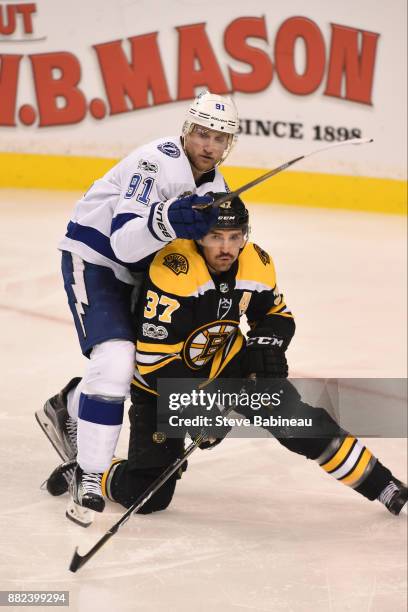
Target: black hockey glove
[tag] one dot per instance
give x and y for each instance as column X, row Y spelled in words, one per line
column 265, row 358
column 216, row 194
column 208, row 422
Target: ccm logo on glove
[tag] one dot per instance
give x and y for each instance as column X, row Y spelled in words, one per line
column 263, row 341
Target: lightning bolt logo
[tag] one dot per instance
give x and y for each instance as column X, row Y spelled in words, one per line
column 79, row 289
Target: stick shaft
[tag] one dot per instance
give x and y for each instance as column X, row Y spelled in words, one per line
column 79, row 561
column 264, row 177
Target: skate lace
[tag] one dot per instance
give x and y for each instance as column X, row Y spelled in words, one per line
column 387, row 493
column 68, row 475
column 72, row 428
column 92, row 483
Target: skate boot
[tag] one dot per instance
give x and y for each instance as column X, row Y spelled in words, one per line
column 59, row 479
column 86, row 497
column 395, row 497
column 57, row 425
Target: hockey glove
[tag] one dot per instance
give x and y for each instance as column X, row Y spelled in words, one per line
column 176, row 218
column 214, row 428
column 215, row 195
column 264, row 358
column 188, row 222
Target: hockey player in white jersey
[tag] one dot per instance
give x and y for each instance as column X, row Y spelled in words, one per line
column 142, row 203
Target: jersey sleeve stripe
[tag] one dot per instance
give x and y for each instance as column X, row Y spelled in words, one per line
column 138, row 384
column 92, row 238
column 147, row 369
column 281, row 309
column 120, row 220
column 146, row 358
column 149, row 347
column 251, row 285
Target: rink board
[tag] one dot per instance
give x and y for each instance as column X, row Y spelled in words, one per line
column 290, row 187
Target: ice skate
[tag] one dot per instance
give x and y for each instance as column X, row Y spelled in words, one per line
column 58, row 481
column 57, row 425
column 395, row 497
column 86, row 497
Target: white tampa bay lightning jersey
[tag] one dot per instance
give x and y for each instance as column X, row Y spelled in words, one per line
column 120, row 222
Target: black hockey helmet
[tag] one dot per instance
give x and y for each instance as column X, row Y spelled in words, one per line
column 232, row 214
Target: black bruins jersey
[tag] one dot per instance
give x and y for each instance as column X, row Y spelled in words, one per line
column 189, row 318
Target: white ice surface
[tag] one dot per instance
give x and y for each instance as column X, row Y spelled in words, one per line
column 252, row 526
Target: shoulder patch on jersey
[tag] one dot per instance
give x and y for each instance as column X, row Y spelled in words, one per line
column 263, row 255
column 180, row 258
column 147, row 166
column 255, row 269
column 169, row 148
column 176, row 262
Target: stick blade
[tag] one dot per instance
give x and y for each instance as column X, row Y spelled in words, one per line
column 76, row 561
column 79, row 515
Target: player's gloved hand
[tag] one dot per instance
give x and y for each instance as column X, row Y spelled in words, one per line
column 214, row 430
column 215, row 195
column 264, row 358
column 188, row 222
column 210, row 442
column 176, row 218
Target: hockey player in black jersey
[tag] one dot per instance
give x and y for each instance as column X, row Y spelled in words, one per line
column 195, row 295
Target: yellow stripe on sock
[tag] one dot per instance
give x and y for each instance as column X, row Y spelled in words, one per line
column 340, row 454
column 106, row 474
column 358, row 471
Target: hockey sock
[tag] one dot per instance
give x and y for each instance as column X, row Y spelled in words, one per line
column 124, row 486
column 73, row 398
column 388, row 492
column 99, row 425
column 108, row 476
column 350, row 462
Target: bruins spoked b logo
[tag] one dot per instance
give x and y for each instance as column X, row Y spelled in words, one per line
column 176, row 262
column 205, row 341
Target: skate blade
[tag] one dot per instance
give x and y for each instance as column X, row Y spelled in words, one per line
column 79, row 515
column 51, row 434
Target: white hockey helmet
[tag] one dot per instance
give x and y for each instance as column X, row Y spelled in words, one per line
column 215, row 113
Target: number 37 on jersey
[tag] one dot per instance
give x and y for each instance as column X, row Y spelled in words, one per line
column 161, row 306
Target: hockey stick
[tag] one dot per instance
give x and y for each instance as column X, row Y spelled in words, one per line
column 79, row 561
column 264, row 177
